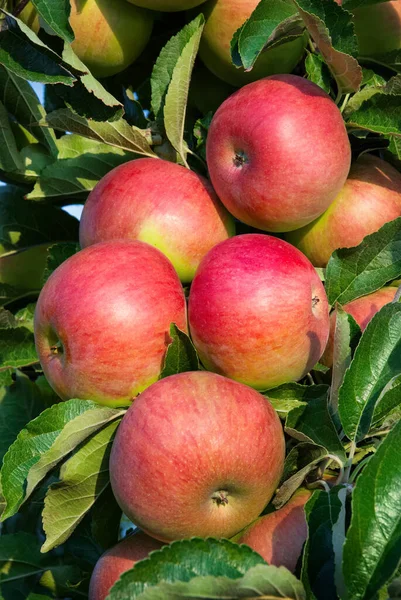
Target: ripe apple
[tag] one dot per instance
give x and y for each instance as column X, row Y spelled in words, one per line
column 113, row 563
column 196, row 455
column 161, row 203
column 167, row 5
column 258, row 312
column 378, row 28
column 370, row 198
column 279, row 536
column 223, row 18
column 102, row 321
column 363, row 310
column 278, row 153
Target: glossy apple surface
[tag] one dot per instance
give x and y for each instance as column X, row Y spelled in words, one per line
column 278, row 153
column 196, row 455
column 223, row 18
column 102, row 321
column 363, row 310
column 279, row 536
column 113, row 563
column 161, row 203
column 258, row 311
column 109, row 36
column 370, row 198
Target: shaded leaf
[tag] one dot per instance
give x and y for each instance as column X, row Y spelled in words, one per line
column 56, row 255
column 317, row 71
column 56, row 14
column 10, row 159
column 181, row 355
column 292, row 395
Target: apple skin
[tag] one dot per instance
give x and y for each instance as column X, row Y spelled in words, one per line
column 167, row 5
column 279, row 536
column 196, row 455
column 278, row 153
column 161, row 203
column 363, row 310
column 223, row 18
column 113, row 563
column 110, row 306
column 370, row 198
column 258, row 312
column 378, row 28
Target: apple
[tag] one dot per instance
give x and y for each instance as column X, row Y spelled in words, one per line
column 167, row 5
column 258, row 312
column 113, row 563
column 223, row 18
column 378, row 28
column 363, row 310
column 196, row 455
column 279, row 536
column 102, row 321
column 370, row 198
column 278, row 153
column 161, row 203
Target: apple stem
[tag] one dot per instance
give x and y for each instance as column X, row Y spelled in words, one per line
column 220, row 497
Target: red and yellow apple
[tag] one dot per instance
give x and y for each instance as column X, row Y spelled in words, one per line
column 102, row 321
column 278, row 153
column 161, row 203
column 196, row 455
column 370, row 198
column 167, row 5
column 113, row 563
column 223, row 18
column 378, row 28
column 279, row 536
column 258, row 312
column 363, row 310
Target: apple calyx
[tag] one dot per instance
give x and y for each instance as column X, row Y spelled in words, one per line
column 240, row 159
column 315, row 301
column 220, row 497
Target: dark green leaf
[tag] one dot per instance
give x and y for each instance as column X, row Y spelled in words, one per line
column 56, row 255
column 105, row 519
column 17, row 348
column 181, row 355
column 292, row 395
column 355, row 272
column 389, row 399
column 10, row 159
column 376, row 362
column 372, row 548
column 381, row 113
column 317, row 71
column 56, row 14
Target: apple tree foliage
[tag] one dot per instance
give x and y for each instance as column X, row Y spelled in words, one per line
column 343, row 429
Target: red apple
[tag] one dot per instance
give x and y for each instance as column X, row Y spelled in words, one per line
column 258, row 311
column 102, row 321
column 278, row 153
column 196, row 455
column 279, row 536
column 167, row 5
column 223, row 18
column 113, row 563
column 378, row 28
column 370, row 198
column 161, row 203
column 363, row 310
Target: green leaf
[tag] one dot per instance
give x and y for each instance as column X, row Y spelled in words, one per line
column 105, row 519
column 56, row 14
column 24, row 268
column 312, row 423
column 372, row 547
column 184, row 560
column 181, row 355
column 56, row 255
column 376, row 361
column 332, row 30
column 317, row 72
column 19, row 557
column 389, row 399
column 83, row 478
column 21, row 101
column 292, row 395
column 44, row 442
column 302, row 459
column 321, row 569
column 10, row 159
column 118, row 134
column 262, row 581
column 80, row 164
column 381, row 113
column 17, row 348
column 355, row 272
column 177, row 93
column 25, row 55
column 25, row 224
column 271, row 20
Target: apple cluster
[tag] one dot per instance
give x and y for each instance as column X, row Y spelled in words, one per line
column 202, row 453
